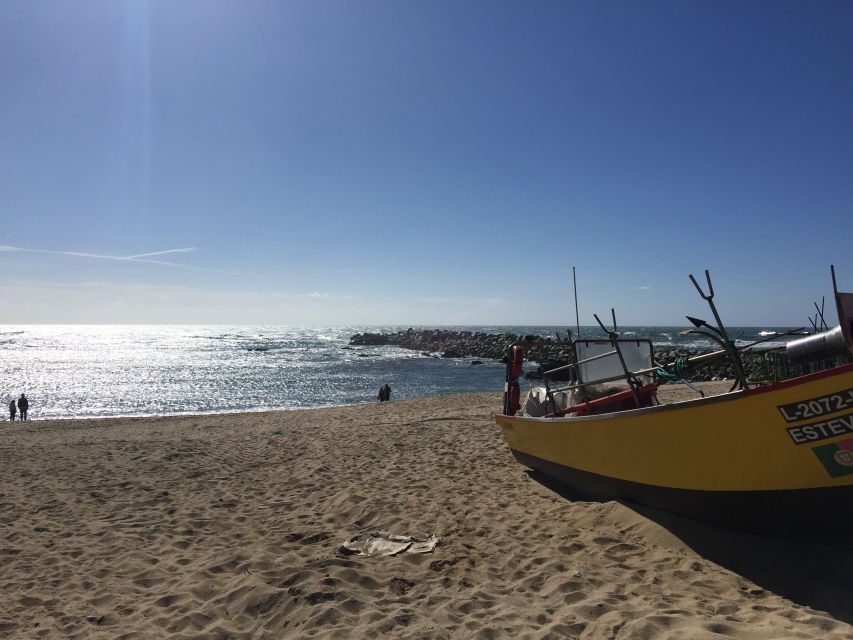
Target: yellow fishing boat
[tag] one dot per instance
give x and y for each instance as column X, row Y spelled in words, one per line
column 778, row 456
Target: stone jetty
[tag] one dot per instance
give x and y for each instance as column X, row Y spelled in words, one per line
column 450, row 344
column 765, row 365
column 546, row 352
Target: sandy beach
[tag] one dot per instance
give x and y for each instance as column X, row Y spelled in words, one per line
column 230, row 526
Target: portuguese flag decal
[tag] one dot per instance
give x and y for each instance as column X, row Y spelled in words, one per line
column 837, row 458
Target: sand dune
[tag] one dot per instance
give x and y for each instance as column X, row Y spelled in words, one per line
column 229, row 526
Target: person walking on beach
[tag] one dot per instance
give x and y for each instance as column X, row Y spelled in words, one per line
column 12, row 410
column 23, row 406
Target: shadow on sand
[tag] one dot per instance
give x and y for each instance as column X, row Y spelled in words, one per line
column 813, row 569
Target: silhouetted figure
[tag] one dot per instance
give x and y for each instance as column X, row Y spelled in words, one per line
column 12, row 410
column 387, row 391
column 23, row 406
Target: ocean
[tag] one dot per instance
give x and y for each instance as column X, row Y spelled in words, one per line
column 97, row 371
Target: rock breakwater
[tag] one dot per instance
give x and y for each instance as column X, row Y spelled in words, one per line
column 761, row 365
column 546, row 352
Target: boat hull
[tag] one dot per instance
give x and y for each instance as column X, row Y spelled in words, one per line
column 779, row 457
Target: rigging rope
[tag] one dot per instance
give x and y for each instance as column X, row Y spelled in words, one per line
column 678, row 369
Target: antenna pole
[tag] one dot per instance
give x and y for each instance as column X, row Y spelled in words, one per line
column 577, row 315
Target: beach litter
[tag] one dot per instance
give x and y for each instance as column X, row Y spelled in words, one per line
column 383, row 543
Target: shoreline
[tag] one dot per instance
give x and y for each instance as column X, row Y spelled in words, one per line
column 237, row 412
column 667, row 390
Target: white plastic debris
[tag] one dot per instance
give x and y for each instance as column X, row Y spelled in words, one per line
column 383, row 543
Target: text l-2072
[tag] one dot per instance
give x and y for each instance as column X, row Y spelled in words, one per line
column 814, row 407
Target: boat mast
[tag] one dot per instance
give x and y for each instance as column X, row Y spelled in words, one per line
column 577, row 315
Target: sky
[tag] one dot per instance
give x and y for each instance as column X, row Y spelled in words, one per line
column 423, row 162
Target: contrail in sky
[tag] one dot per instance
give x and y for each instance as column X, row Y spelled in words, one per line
column 139, row 258
column 160, row 253
column 99, row 256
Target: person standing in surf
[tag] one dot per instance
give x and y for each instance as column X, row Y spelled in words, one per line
column 12, row 410
column 23, row 406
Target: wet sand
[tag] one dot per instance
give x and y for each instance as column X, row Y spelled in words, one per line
column 229, row 526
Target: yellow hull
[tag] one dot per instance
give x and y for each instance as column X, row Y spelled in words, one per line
column 789, row 444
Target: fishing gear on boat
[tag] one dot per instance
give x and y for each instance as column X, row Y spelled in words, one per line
column 679, row 368
column 720, row 330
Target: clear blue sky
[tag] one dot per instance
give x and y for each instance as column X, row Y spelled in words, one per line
column 426, row 162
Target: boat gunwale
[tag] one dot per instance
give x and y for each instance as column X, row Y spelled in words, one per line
column 693, row 402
